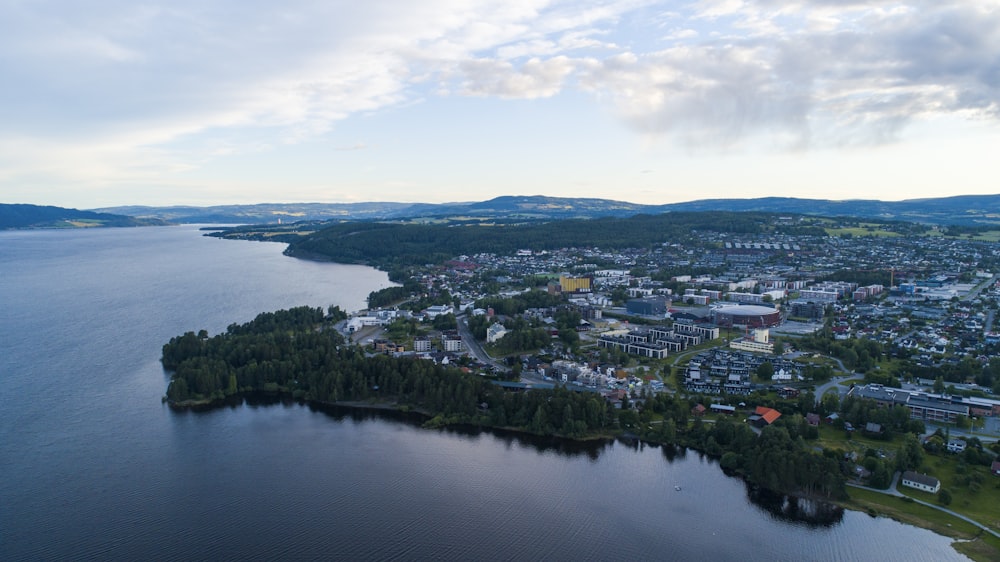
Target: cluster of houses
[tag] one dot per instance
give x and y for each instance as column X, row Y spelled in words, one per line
column 657, row 342
column 729, row 371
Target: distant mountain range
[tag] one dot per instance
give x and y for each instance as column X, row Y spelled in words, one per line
column 36, row 216
column 969, row 210
column 983, row 210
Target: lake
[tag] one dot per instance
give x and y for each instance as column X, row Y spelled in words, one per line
column 93, row 465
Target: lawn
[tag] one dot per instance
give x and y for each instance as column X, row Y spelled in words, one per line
column 833, row 438
column 862, row 231
column 985, row 547
column 983, row 506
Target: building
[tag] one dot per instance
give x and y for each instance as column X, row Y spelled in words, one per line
column 938, row 409
column 569, row 284
column 807, row 309
column 495, row 332
column 421, row 344
column 634, row 344
column 921, row 482
column 751, row 316
column 956, row 446
column 438, row 310
column 706, row 333
column 648, row 306
column 760, row 343
column 723, row 409
column 451, row 343
column 764, row 416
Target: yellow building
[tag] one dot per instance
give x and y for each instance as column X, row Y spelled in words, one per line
column 574, row 284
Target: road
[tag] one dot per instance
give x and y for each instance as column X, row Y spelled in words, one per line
column 979, row 288
column 834, row 382
column 473, row 346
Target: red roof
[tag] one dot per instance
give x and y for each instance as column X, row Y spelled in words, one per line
column 769, row 414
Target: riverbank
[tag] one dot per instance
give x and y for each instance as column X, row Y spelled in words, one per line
column 970, row 540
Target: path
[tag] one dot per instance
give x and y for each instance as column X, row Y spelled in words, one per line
column 893, row 491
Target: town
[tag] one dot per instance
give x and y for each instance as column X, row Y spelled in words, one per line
column 859, row 330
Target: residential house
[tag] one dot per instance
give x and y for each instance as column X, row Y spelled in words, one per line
column 921, row 482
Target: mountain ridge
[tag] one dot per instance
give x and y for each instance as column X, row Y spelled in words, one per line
column 970, row 210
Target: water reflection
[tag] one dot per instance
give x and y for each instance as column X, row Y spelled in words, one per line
column 801, row 511
column 791, row 509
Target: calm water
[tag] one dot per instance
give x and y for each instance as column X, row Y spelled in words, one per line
column 92, row 465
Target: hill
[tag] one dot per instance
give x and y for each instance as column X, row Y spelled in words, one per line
column 37, row 216
column 967, row 210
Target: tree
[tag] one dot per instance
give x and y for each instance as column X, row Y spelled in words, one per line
column 939, row 385
column 944, row 497
column 910, row 455
column 765, row 370
column 779, row 347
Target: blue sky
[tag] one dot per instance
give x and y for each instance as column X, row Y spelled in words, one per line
column 120, row 102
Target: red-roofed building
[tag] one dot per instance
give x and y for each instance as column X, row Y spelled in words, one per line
column 763, row 416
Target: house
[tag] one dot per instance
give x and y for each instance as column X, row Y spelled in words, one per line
column 698, row 410
column 873, row 428
column 812, row 419
column 956, row 446
column 723, row 409
column 995, row 468
column 763, row 416
column 495, row 332
column 832, row 418
column 921, row 482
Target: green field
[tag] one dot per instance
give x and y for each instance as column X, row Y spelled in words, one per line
column 973, row 542
column 862, row 231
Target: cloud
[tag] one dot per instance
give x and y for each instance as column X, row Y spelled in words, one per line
column 533, row 79
column 126, row 91
column 861, row 81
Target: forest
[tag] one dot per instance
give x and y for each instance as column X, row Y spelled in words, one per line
column 296, row 352
column 393, row 245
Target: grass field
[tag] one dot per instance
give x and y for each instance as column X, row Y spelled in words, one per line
column 982, row 505
column 871, row 230
column 973, row 543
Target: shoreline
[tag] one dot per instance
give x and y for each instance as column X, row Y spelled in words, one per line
column 969, row 539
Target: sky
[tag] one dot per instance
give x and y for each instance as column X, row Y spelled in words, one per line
column 207, row 102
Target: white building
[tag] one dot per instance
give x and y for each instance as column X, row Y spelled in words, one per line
column 452, row 343
column 495, row 332
column 438, row 310
column 921, row 482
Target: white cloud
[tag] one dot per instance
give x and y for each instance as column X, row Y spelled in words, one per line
column 122, row 92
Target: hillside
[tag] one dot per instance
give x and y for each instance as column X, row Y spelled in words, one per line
column 37, row 216
column 967, row 210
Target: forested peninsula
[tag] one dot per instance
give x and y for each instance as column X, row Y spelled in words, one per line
column 297, row 352
column 393, row 245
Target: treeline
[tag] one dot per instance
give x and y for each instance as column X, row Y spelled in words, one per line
column 780, row 458
column 860, row 354
column 862, row 277
column 293, row 352
column 392, row 295
column 289, row 351
column 509, row 306
column 394, row 245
